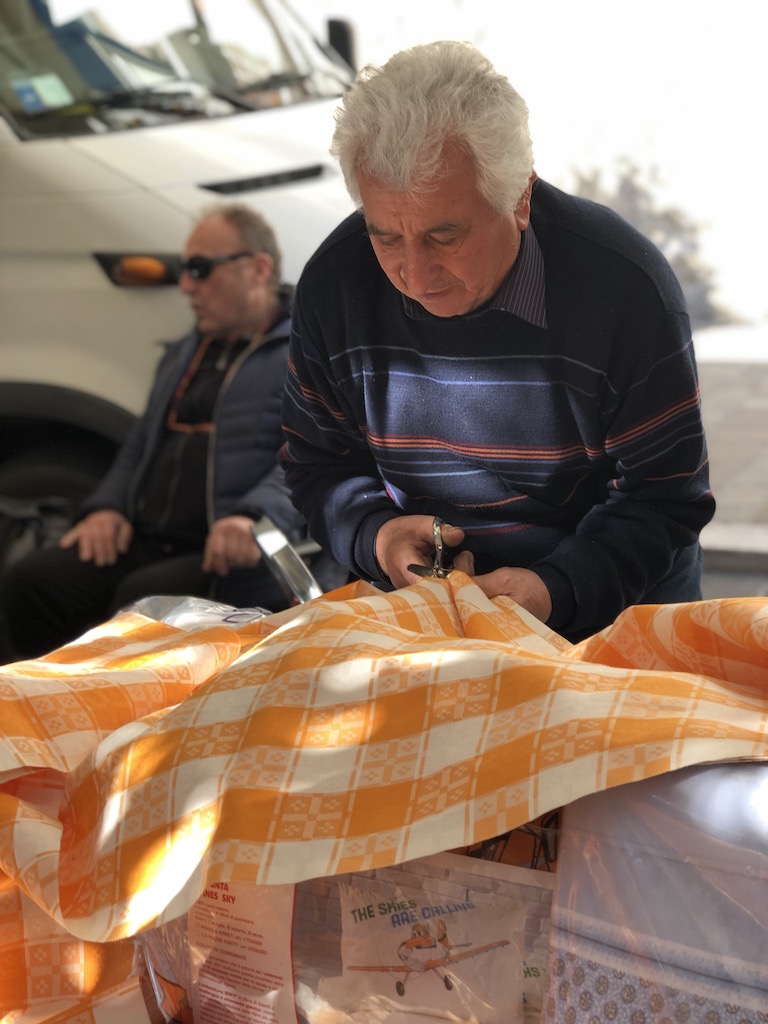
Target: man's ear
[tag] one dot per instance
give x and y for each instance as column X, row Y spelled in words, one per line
column 264, row 267
column 523, row 208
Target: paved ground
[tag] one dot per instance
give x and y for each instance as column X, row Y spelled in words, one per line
column 734, row 400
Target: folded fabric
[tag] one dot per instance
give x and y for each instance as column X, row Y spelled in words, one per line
column 145, row 761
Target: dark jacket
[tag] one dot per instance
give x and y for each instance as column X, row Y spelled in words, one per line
column 244, row 477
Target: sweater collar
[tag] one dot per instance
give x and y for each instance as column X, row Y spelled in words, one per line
column 520, row 293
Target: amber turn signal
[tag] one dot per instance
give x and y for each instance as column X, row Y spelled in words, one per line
column 139, row 271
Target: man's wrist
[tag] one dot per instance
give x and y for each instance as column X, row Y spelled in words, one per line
column 561, row 595
column 365, row 544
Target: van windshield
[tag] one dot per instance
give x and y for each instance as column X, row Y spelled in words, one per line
column 69, row 67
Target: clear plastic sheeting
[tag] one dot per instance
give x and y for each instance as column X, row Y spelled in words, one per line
column 193, row 613
column 660, row 909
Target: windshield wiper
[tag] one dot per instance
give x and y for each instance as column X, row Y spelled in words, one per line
column 150, row 99
column 275, row 81
column 159, row 100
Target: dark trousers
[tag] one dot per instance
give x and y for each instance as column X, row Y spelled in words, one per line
column 50, row 597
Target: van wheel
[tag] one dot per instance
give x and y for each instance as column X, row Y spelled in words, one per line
column 39, row 493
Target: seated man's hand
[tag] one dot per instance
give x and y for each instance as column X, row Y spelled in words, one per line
column 100, row 537
column 408, row 539
column 230, row 545
column 522, row 585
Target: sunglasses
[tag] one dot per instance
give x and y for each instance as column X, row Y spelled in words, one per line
column 200, row 267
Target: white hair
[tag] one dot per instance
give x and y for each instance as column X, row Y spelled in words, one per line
column 393, row 123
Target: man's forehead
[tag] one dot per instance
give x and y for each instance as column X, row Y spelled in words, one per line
column 212, row 232
column 384, row 207
column 434, row 212
column 448, row 201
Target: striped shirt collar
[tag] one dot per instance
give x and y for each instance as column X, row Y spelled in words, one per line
column 520, row 293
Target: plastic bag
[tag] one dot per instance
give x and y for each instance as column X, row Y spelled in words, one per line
column 212, row 942
column 412, row 954
column 660, row 906
column 228, row 959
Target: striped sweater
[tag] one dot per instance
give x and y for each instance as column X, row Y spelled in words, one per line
column 568, row 441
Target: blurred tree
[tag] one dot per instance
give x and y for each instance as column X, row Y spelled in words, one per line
column 669, row 229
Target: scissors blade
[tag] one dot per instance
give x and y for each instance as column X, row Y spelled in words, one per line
column 429, row 572
column 421, row 570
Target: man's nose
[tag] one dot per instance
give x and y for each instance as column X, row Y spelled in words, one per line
column 418, row 268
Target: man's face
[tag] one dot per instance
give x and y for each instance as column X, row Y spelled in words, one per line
column 223, row 302
column 448, row 248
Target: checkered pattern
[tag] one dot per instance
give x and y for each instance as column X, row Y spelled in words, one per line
column 363, row 729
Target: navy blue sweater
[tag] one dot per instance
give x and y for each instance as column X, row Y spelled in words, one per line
column 575, row 449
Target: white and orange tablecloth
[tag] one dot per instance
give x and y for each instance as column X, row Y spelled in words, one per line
column 144, row 762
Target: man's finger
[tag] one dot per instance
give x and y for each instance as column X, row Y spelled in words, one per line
column 465, row 562
column 452, row 535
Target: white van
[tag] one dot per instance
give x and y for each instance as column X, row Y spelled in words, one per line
column 119, row 122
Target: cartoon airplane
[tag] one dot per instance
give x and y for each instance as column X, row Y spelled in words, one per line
column 423, row 952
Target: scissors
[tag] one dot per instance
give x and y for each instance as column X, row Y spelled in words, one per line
column 436, row 570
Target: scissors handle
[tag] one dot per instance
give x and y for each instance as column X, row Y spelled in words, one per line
column 437, row 538
column 437, row 569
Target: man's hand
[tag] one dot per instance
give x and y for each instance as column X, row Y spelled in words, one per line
column 522, row 585
column 230, row 545
column 100, row 537
column 409, row 539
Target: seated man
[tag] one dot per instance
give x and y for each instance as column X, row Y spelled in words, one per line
column 174, row 513
column 476, row 346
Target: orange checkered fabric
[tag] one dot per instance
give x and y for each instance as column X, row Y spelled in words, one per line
column 144, row 762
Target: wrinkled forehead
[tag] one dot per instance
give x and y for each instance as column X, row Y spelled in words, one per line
column 444, row 198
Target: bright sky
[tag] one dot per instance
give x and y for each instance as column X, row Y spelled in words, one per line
column 680, row 86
